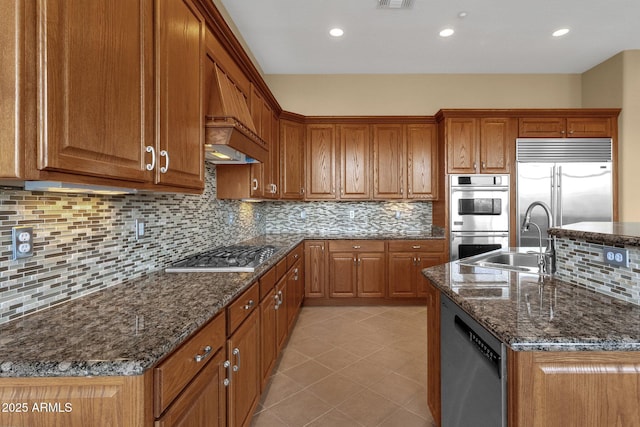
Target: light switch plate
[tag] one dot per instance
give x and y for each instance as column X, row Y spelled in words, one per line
column 616, row 256
column 22, row 242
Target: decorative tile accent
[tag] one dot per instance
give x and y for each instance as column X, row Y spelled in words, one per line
column 334, row 217
column 84, row 243
column 580, row 262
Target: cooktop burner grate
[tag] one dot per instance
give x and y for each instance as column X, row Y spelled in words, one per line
column 237, row 258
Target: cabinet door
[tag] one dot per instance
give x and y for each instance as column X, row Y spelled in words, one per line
column 291, row 160
column 321, row 169
column 271, row 168
column 425, row 260
column 496, row 140
column 243, row 350
column 542, row 127
column 315, row 269
column 355, row 149
column 388, row 162
column 180, row 32
column 292, row 296
column 590, row 127
column 401, row 278
column 96, row 87
column 462, row 142
column 203, row 399
column 342, row 274
column 433, row 351
column 268, row 338
column 371, row 275
column 422, row 162
column 282, row 318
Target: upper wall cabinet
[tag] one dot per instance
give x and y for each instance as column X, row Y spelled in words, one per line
column 479, row 145
column 565, row 127
column 291, row 160
column 355, row 161
column 388, row 161
column 180, row 32
column 110, row 93
column 321, row 162
column 96, row 103
column 422, row 161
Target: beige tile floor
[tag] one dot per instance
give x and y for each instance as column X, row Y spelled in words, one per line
column 350, row 366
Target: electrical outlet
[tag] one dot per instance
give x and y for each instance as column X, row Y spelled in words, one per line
column 140, row 228
column 398, row 214
column 352, row 214
column 616, row 256
column 22, row 242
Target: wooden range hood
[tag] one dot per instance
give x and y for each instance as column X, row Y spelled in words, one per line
column 229, row 128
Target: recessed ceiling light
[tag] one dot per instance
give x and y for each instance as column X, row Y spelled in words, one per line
column 462, row 15
column 336, row 32
column 561, row 32
column 447, row 32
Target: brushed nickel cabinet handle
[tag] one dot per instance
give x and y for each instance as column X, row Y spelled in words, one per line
column 249, row 305
column 152, row 165
column 416, row 246
column 356, row 246
column 236, row 352
column 200, row 357
column 164, row 168
column 227, row 366
column 255, row 184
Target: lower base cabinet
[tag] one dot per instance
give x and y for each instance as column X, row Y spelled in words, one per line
column 433, row 351
column 204, row 400
column 243, row 353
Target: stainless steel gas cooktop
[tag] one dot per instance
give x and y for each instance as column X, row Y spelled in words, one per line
column 226, row 259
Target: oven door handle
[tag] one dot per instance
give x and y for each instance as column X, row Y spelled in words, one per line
column 471, row 189
column 468, row 234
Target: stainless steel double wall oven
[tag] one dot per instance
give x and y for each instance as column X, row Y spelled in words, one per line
column 479, row 214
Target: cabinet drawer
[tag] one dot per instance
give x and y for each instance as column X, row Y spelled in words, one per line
column 416, row 246
column 294, row 256
column 175, row 372
column 356, row 246
column 242, row 307
column 281, row 268
column 267, row 282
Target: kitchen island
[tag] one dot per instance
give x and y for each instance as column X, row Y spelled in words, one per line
column 571, row 351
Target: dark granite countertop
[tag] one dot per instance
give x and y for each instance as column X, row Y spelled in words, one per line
column 534, row 313
column 608, row 233
column 128, row 328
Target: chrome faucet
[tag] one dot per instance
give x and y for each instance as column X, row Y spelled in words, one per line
column 548, row 259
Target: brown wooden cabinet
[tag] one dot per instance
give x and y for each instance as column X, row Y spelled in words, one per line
column 422, row 161
column 180, row 34
column 204, row 399
column 582, row 388
column 479, row 145
column 388, row 161
column 268, row 339
column 96, row 116
column 433, row 351
column 406, row 260
column 243, row 352
column 357, row 269
column 282, row 318
column 565, row 127
column 316, row 261
column 291, row 160
column 355, row 155
column 320, row 162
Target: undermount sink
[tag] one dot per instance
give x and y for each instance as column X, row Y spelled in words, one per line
column 506, row 260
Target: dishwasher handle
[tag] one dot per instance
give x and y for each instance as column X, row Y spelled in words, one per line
column 491, row 355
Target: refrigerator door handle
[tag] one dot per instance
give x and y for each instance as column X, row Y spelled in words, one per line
column 559, row 196
column 553, row 193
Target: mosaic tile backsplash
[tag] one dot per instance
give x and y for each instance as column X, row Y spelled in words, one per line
column 83, row 243
column 340, row 217
column 581, row 262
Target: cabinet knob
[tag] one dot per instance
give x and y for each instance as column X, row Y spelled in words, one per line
column 255, row 184
column 484, row 165
column 562, row 132
column 475, row 165
column 302, row 191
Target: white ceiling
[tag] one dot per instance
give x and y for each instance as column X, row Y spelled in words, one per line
column 497, row 36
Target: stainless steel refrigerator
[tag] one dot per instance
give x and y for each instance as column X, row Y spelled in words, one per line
column 571, row 175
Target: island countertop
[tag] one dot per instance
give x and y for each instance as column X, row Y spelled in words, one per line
column 609, row 233
column 127, row 328
column 529, row 312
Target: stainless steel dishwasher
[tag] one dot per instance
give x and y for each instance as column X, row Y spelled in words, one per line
column 473, row 371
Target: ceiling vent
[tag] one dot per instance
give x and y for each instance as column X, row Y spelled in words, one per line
column 395, row 4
